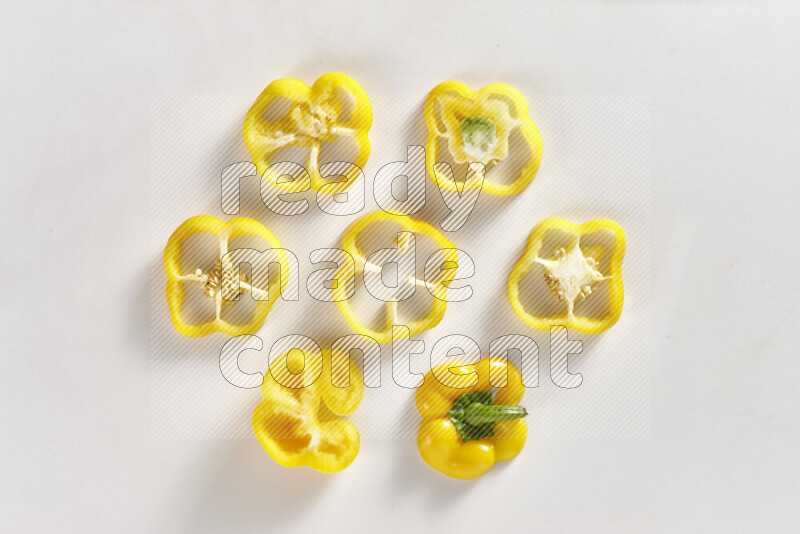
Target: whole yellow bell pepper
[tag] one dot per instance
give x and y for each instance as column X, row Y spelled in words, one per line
column 438, row 306
column 290, row 422
column 209, row 277
column 465, row 431
column 572, row 273
column 476, row 126
column 334, row 107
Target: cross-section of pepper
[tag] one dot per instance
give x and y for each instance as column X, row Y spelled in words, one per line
column 578, row 271
column 409, row 227
column 304, row 396
column 289, row 113
column 487, row 126
column 209, row 277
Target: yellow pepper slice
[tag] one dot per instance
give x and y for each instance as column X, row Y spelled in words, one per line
column 573, row 273
column 477, row 126
column 464, row 438
column 291, row 423
column 334, row 107
column 349, row 245
column 209, row 277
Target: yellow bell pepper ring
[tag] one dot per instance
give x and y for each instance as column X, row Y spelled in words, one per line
column 439, row 304
column 334, row 107
column 578, row 270
column 209, row 277
column 464, row 430
column 290, row 421
column 478, row 127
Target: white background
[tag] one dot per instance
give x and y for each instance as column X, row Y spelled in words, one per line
column 77, row 84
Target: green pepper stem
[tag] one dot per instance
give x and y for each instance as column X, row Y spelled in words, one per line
column 479, row 414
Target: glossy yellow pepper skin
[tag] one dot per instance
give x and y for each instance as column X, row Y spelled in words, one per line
column 572, row 273
column 290, row 421
column 348, row 244
column 476, row 126
column 438, row 440
column 315, row 115
column 209, row 276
